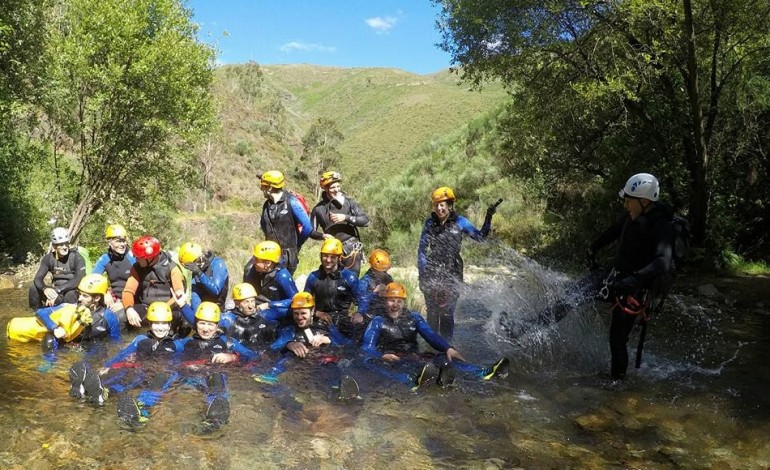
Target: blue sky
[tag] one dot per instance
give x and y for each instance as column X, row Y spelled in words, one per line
column 345, row 33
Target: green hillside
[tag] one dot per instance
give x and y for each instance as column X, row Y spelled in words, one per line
column 385, row 115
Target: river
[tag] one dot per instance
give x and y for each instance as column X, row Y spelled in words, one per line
column 698, row 401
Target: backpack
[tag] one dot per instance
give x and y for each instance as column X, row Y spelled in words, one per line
column 302, row 202
column 681, row 244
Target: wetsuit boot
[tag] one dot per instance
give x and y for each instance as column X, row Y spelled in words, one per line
column 348, row 388
column 49, row 343
column 217, row 413
column 498, row 369
column 77, row 375
column 428, row 374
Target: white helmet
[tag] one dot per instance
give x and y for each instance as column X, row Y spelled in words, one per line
column 641, row 185
column 60, row 235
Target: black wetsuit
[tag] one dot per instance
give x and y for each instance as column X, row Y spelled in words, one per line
column 644, row 254
column 347, row 231
column 66, row 274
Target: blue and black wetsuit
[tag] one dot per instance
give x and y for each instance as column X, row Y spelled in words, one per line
column 279, row 223
column 212, row 284
column 334, row 293
column 386, row 335
column 441, row 266
column 118, row 269
column 276, row 287
column 257, row 331
column 370, row 304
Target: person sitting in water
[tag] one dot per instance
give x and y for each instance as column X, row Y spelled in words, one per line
column 335, row 289
column 392, row 339
column 304, row 339
column 255, row 328
column 86, row 383
column 210, row 278
column 152, row 278
column 116, row 263
column 273, row 283
column 66, row 266
column 372, row 283
column 88, row 320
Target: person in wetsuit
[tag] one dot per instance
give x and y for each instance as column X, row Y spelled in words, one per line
column 372, row 284
column 152, row 279
column 334, row 289
column 66, row 266
column 390, row 342
column 210, row 278
column 641, row 273
column 283, row 219
column 116, row 264
column 340, row 217
column 439, row 262
column 273, row 283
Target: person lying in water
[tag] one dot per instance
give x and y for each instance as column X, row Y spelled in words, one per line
column 390, row 342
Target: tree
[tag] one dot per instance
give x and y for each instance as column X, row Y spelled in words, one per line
column 608, row 88
column 320, row 149
column 129, row 89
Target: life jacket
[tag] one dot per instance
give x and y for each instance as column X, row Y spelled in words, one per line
column 25, row 329
column 253, row 330
column 155, row 280
column 332, row 293
column 279, row 222
column 118, row 271
column 198, row 347
column 398, row 335
column 317, row 328
column 444, row 243
column 98, row 329
column 151, row 345
column 204, row 293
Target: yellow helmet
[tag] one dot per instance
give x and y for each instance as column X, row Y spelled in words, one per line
column 115, row 231
column 208, row 311
column 159, row 311
column 272, row 179
column 243, row 291
column 443, row 193
column 302, row 300
column 379, row 260
column 329, row 177
column 331, row 246
column 395, row 290
column 268, row 250
column 93, row 284
column 190, row 252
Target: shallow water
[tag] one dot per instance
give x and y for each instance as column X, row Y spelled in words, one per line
column 699, row 400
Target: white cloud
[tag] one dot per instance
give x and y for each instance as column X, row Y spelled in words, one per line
column 381, row 24
column 306, row 47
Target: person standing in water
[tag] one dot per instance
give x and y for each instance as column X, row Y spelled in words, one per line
column 439, row 262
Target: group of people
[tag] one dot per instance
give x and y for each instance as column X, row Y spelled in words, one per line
column 176, row 295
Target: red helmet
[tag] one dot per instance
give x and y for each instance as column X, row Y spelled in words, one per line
column 146, row 247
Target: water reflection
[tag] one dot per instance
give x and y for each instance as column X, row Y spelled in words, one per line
column 699, row 399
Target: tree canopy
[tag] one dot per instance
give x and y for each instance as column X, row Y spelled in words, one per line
column 605, row 89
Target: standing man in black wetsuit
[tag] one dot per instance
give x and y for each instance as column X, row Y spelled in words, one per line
column 641, row 272
column 340, row 216
column 283, row 220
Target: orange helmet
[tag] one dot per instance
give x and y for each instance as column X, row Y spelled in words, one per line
column 443, row 193
column 395, row 290
column 331, row 246
column 379, row 260
column 302, row 300
column 330, row 177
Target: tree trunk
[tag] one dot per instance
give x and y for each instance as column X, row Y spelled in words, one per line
column 699, row 197
column 82, row 212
